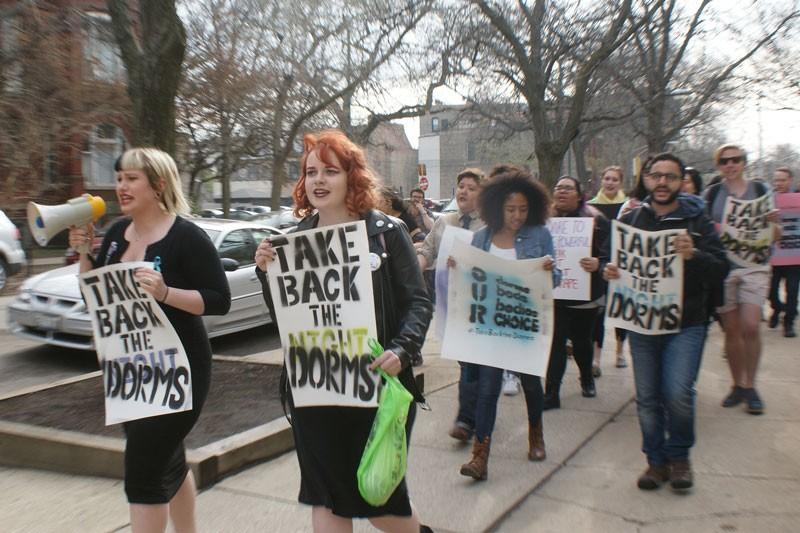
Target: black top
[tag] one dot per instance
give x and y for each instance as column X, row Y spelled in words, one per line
column 155, row 462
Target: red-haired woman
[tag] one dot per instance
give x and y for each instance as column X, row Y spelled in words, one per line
column 336, row 187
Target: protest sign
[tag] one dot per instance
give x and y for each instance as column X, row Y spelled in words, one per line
column 745, row 232
column 145, row 368
column 648, row 296
column 500, row 312
column 572, row 239
column 321, row 285
column 787, row 250
column 449, row 236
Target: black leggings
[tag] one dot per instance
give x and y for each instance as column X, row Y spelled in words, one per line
column 576, row 325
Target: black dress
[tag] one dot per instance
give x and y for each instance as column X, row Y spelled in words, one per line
column 155, row 459
column 329, row 440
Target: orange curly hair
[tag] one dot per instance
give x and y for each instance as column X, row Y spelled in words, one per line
column 361, row 195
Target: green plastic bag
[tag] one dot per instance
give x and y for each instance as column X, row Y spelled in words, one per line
column 383, row 463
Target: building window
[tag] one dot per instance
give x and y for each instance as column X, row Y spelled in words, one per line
column 470, row 151
column 106, row 144
column 445, row 123
column 435, row 124
column 100, row 49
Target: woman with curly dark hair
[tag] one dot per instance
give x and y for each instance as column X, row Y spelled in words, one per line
column 515, row 209
column 336, row 187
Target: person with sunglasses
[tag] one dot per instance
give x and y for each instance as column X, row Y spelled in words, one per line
column 745, row 289
column 665, row 367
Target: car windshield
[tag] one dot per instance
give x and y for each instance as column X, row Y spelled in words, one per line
column 452, row 206
column 212, row 233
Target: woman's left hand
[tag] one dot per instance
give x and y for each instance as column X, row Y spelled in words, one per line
column 389, row 362
column 152, row 282
column 548, row 264
column 590, row 264
column 774, row 216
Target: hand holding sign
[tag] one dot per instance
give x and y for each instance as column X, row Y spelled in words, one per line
column 774, row 216
column 684, row 246
column 265, row 254
column 152, row 282
column 611, row 271
column 590, row 264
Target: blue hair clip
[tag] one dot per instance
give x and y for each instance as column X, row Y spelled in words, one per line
column 157, row 263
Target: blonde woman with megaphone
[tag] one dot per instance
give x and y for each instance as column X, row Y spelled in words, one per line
column 189, row 283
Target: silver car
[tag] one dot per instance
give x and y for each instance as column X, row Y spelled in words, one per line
column 49, row 306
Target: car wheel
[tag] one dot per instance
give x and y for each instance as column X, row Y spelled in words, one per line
column 3, row 275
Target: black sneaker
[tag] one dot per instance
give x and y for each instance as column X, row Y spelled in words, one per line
column 735, row 397
column 788, row 330
column 773, row 320
column 754, row 404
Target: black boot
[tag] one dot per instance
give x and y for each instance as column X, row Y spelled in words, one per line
column 788, row 328
column 551, row 399
column 773, row 320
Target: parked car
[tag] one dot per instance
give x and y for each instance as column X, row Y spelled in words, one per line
column 49, row 307
column 241, row 214
column 211, row 213
column 257, row 209
column 12, row 256
column 283, row 220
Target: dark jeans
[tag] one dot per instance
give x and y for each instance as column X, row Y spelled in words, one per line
column 790, row 273
column 576, row 325
column 665, row 371
column 599, row 330
column 467, row 396
column 489, row 383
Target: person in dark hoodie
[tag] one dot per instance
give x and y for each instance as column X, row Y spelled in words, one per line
column 665, row 367
column 575, row 320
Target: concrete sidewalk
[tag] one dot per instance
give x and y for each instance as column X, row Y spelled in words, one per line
column 747, row 468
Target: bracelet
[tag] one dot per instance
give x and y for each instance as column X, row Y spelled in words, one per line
column 166, row 293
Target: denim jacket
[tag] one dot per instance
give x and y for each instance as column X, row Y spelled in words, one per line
column 531, row 242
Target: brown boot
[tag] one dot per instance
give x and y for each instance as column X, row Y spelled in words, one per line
column 478, row 467
column 536, row 450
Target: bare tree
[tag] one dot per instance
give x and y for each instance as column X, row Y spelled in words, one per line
column 221, row 103
column 152, row 50
column 670, row 81
column 542, row 56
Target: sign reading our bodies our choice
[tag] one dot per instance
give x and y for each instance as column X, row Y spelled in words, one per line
column 321, row 286
column 145, row 368
column 745, row 231
column 572, row 239
column 787, row 250
column 648, row 296
column 500, row 312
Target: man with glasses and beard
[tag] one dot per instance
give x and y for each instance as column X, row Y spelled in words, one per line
column 745, row 288
column 665, row 367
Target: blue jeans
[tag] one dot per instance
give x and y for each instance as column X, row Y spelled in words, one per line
column 489, row 384
column 665, row 370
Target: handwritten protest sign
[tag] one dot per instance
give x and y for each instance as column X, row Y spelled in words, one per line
column 572, row 239
column 145, row 368
column 500, row 312
column 449, row 236
column 745, row 231
column 321, row 285
column 787, row 250
column 648, row 296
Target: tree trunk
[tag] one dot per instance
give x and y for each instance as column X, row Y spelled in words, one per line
column 549, row 167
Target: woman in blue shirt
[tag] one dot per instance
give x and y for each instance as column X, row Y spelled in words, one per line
column 515, row 209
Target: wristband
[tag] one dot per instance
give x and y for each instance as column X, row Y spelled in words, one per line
column 166, row 293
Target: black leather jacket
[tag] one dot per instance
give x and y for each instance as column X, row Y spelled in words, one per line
column 403, row 309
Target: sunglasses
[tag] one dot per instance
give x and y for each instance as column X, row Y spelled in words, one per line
column 735, row 159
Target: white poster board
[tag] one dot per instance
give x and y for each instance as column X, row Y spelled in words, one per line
column 145, row 368
column 449, row 236
column 321, row 286
column 572, row 239
column 500, row 312
column 648, row 296
column 745, row 232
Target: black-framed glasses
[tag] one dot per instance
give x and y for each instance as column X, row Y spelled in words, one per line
column 564, row 188
column 733, row 159
column 656, row 176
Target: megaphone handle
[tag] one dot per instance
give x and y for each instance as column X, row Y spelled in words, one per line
column 86, row 246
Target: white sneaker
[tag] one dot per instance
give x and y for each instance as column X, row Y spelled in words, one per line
column 510, row 383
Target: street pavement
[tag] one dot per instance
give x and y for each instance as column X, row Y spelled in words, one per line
column 747, row 468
